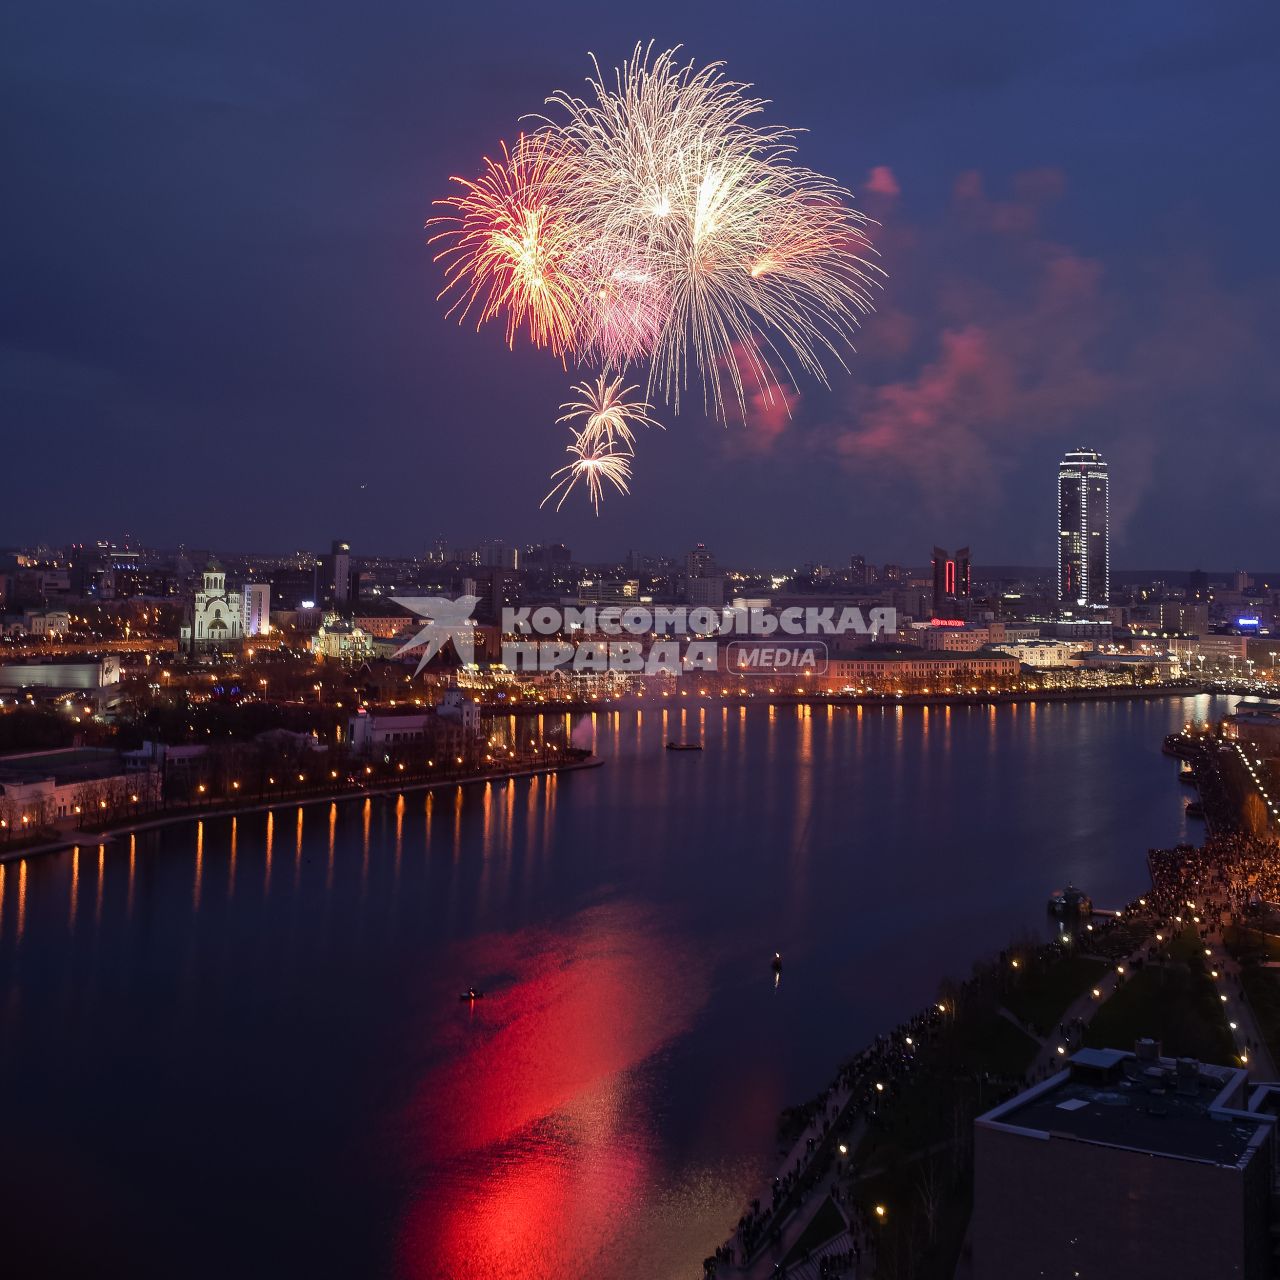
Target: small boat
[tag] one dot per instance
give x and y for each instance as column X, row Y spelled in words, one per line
column 1070, row 902
column 777, row 962
column 683, row 746
column 1188, row 776
column 471, row 994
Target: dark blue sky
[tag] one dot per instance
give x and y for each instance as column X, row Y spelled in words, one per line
column 218, row 317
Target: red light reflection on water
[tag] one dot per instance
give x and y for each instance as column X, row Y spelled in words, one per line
column 531, row 1142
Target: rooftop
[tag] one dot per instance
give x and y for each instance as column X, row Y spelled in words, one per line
column 1156, row 1105
column 84, row 764
column 889, row 652
column 1257, row 716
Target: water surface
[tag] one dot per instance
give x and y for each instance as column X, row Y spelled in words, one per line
column 235, row 1047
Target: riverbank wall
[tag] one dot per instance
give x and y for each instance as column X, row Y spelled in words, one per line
column 81, row 838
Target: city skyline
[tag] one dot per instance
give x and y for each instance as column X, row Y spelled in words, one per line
column 917, row 563
column 839, row 562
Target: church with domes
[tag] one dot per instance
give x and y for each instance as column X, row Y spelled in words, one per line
column 215, row 616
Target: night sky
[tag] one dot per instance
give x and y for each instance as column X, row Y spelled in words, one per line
column 218, row 321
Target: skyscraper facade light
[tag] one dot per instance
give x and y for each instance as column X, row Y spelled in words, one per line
column 951, row 584
column 1084, row 532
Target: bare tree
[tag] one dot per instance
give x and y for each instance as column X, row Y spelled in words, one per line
column 931, row 1192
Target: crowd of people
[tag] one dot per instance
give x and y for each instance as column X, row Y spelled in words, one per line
column 1231, row 878
column 836, row 1121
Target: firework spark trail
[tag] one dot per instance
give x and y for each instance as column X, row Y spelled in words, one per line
column 593, row 464
column 508, row 246
column 626, row 305
column 609, row 414
column 655, row 220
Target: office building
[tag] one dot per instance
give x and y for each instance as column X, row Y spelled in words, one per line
column 700, row 563
column 495, row 554
column 609, row 591
column 705, row 592
column 890, row 668
column 951, row 584
column 548, row 558
column 335, row 576
column 256, row 609
column 74, row 673
column 1084, row 546
column 971, row 637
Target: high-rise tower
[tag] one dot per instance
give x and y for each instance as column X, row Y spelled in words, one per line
column 950, row 584
column 1084, row 535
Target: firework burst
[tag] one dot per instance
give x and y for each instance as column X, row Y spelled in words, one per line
column 656, row 221
column 593, row 463
column 508, row 244
column 608, row 412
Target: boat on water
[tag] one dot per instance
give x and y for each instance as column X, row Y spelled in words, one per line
column 1070, row 903
column 471, row 994
column 1187, row 775
column 777, row 962
column 675, row 745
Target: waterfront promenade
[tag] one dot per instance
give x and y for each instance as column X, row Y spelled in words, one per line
column 74, row 837
column 689, row 694
column 1178, row 926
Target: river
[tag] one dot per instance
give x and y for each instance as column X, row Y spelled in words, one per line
column 236, row 1047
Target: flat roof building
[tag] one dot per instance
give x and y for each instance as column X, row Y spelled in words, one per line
column 91, row 673
column 40, row 788
column 1257, row 727
column 1125, row 1164
column 889, row 668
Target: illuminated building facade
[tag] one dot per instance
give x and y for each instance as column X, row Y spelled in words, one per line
column 699, row 563
column 335, row 576
column 951, row 584
column 215, row 616
column 910, row 671
column 256, row 620
column 1084, row 535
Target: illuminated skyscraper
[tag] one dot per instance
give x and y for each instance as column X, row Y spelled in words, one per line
column 335, row 576
column 700, row 563
column 1084, row 535
column 950, row 584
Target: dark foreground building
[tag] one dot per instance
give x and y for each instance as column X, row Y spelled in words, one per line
column 1126, row 1165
